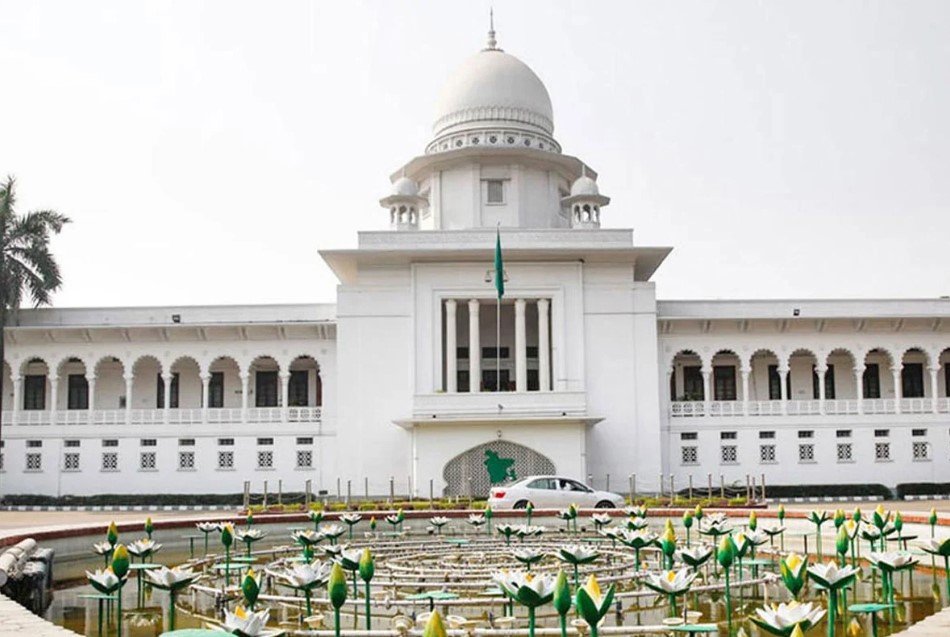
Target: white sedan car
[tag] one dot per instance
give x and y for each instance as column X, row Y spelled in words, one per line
column 551, row 492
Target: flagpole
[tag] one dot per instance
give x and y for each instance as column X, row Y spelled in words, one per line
column 498, row 345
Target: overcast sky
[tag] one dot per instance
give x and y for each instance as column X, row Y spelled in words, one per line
column 206, row 150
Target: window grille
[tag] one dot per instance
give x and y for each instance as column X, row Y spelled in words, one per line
column 304, row 459
column 265, row 459
column 882, row 451
column 806, row 453
column 729, row 454
column 186, row 460
column 921, row 451
column 767, row 454
column 110, row 461
column 34, row 462
column 689, row 455
column 844, row 452
column 225, row 460
column 147, row 461
column 71, row 462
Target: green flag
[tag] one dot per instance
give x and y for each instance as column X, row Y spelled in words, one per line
column 499, row 266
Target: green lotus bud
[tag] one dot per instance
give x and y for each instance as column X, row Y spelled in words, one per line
column 120, row 561
column 149, row 527
column 843, row 541
column 753, row 521
column 562, row 594
column 668, row 542
column 781, row 512
column 839, row 518
column 250, row 587
column 112, row 534
column 572, row 510
column 687, row 519
column 698, row 513
column 898, row 522
column 725, row 554
column 856, row 515
column 336, row 586
column 227, row 535
column 434, row 627
column 880, row 516
column 250, row 518
column 400, row 515
column 530, row 507
column 489, row 514
column 668, row 526
column 367, row 566
column 933, row 517
column 372, row 523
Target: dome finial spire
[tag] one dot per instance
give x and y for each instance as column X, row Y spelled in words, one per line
column 492, row 42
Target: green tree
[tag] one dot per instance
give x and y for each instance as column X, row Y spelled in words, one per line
column 27, row 267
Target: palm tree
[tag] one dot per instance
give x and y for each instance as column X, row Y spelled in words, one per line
column 27, row 267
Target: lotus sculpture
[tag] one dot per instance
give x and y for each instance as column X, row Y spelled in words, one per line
column 783, row 619
column 528, row 589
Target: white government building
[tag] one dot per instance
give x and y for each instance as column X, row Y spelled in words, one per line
column 399, row 380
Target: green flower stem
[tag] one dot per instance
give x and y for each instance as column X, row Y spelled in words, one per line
column 336, row 622
column 355, row 589
column 227, row 566
column 687, row 538
column 99, row 631
column 368, row 616
column 818, row 540
column 248, row 549
column 575, row 576
column 171, row 609
column 636, row 566
column 119, row 610
column 728, row 604
column 672, row 605
column 832, row 610
column 562, row 620
column 306, row 596
column 530, row 621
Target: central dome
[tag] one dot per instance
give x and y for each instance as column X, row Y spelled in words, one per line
column 497, row 92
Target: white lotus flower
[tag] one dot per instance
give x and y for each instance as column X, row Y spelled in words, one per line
column 332, row 530
column 246, row 535
column 635, row 511
column 143, row 547
column 171, row 578
column 756, row 538
column 783, row 618
column 526, row 530
column 246, row 622
column 208, row 527
column 307, row 537
column 103, row 580
column 694, row 556
column 830, row 575
column 671, row 582
column 351, row 518
column 350, row 558
column 937, row 547
column 530, row 589
column 438, row 520
column 893, row 560
column 306, row 575
column 577, row 554
column 528, row 556
column 601, row 519
column 476, row 519
column 637, row 539
column 333, row 551
column 635, row 524
column 102, row 548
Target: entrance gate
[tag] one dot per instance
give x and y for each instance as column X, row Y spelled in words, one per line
column 474, row 472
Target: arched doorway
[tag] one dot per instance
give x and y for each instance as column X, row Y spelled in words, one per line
column 473, row 472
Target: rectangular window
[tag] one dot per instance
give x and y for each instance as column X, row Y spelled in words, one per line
column 729, row 454
column 727, row 435
column 767, row 435
column 34, row 392
column 265, row 459
column 148, row 442
column 226, row 442
column 77, row 393
column 34, row 462
column 693, row 387
column 186, row 442
column 724, row 382
column 829, row 383
column 305, row 441
column 160, row 392
column 299, row 395
column 225, row 460
column 921, row 451
column 216, row 390
column 806, row 453
column 186, row 460
column 111, row 442
column 490, row 352
column 34, row 444
column 918, row 433
column 882, row 433
column 461, row 353
column 767, row 454
column 71, row 462
column 775, row 383
column 461, row 380
column 71, row 443
column 806, row 433
column 689, row 455
column 304, row 459
column 265, row 441
column 494, row 191
column 843, row 433
column 488, row 380
column 871, row 381
column 533, row 382
column 265, row 389
column 110, row 461
column 882, row 451
column 689, row 435
column 912, row 380
column 531, row 352
column 147, row 461
column 844, row 452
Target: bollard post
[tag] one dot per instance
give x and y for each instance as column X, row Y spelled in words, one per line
column 722, row 487
column 431, row 491
column 409, row 485
column 661, row 486
column 590, row 480
column 748, row 488
column 672, row 490
column 753, row 488
column 392, row 489
column 265, row 494
column 280, row 492
column 691, row 487
column 349, row 491
column 763, row 487
column 247, row 494
column 307, row 493
column 607, row 483
column 709, row 481
column 630, row 479
column 366, row 488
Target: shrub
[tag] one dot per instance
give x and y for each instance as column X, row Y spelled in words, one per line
column 923, row 488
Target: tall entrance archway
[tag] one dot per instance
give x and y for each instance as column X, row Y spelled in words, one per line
column 473, row 472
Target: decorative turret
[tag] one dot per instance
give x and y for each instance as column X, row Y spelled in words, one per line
column 585, row 202
column 404, row 204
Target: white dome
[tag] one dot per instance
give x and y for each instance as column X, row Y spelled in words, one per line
column 492, row 87
column 584, row 186
column 405, row 187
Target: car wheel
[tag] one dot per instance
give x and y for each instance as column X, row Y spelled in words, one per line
column 605, row 504
column 521, row 504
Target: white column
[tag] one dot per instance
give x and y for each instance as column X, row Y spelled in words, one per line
column 707, row 389
column 205, row 392
column 53, row 395
column 821, row 389
column 521, row 352
column 91, row 404
column 451, row 344
column 782, row 387
column 245, row 388
column 745, row 389
column 544, row 346
column 934, row 390
column 475, row 348
column 859, row 386
column 17, row 398
column 128, row 399
column 167, row 379
column 896, row 373
column 285, row 395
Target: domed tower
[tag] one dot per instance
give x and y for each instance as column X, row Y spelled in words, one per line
column 584, row 203
column 404, row 204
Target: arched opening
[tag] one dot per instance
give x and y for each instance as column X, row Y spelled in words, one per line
column 913, row 381
column 146, row 379
column 686, row 381
column 109, row 390
column 877, row 379
column 34, row 388
column 265, row 381
column 839, row 375
column 725, row 375
column 306, row 386
column 72, row 390
column 801, row 383
column 224, row 386
column 475, row 471
column 943, row 376
column 765, row 381
column 186, row 383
